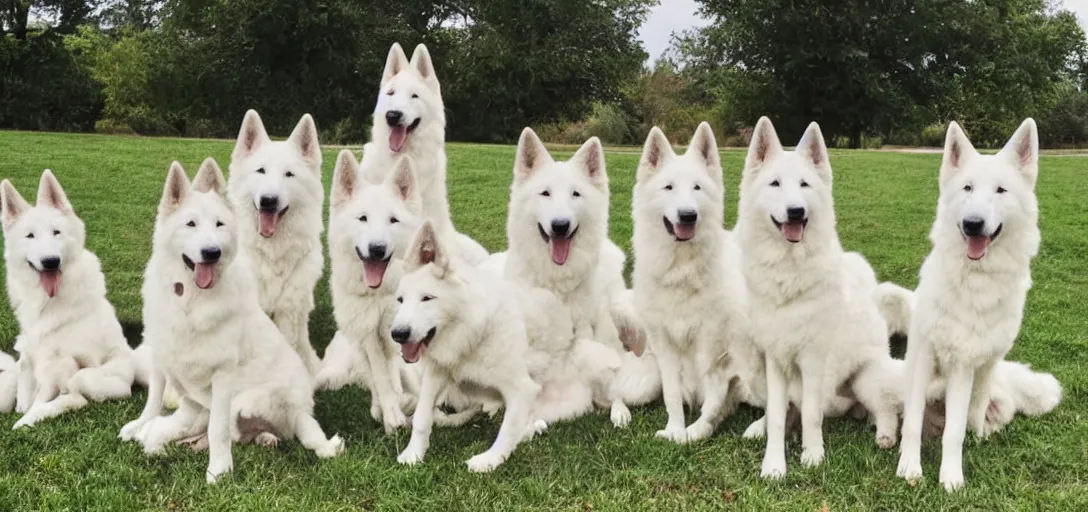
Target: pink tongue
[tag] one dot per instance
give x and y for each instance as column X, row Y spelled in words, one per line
column 411, row 351
column 793, row 231
column 397, row 135
column 683, row 231
column 205, row 275
column 50, row 280
column 268, row 222
column 560, row 250
column 375, row 271
column 976, row 246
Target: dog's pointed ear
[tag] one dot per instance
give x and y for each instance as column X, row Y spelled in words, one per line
column 1023, row 149
column 814, row 149
column 345, row 179
column 251, row 136
column 396, row 62
column 957, row 150
column 210, row 178
column 426, row 249
column 13, row 204
column 531, row 155
column 763, row 147
column 705, row 147
column 421, row 59
column 175, row 191
column 403, row 179
column 590, row 158
column 304, row 137
column 655, row 152
column 51, row 194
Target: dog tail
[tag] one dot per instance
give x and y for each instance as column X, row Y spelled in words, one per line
column 9, row 377
column 6, row 362
column 1033, row 393
column 638, row 381
column 896, row 305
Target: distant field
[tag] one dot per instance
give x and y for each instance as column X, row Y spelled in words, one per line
column 885, row 203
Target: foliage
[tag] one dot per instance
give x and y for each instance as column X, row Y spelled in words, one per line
column 44, row 87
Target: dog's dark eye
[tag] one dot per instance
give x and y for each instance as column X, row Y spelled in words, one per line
column 804, row 184
column 427, row 298
column 393, row 220
column 390, row 93
column 362, row 218
column 290, row 174
column 415, row 95
column 967, row 188
column 546, row 193
column 191, row 223
column 260, row 171
column 218, row 224
column 774, row 183
column 30, row 235
column 56, row 232
column 697, row 187
column 668, row 187
column 576, row 194
column 400, row 300
column 1001, row 190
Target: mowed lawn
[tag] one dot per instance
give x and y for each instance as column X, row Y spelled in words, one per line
column 885, row 205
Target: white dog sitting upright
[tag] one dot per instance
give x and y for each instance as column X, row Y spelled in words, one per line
column 973, row 285
column 71, row 347
column 276, row 190
column 238, row 378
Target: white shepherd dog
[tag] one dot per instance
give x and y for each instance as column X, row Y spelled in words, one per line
column 370, row 227
column 410, row 119
column 970, row 298
column 492, row 339
column 276, row 190
column 688, row 288
column 812, row 305
column 558, row 240
column 238, row 377
column 71, row 348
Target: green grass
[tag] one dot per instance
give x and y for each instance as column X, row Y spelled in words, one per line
column 885, row 205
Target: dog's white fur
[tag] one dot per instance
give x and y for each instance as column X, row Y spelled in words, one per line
column 287, row 262
column 411, row 88
column 970, row 298
column 370, row 226
column 489, row 338
column 688, row 289
column 811, row 303
column 588, row 277
column 236, row 373
column 71, row 347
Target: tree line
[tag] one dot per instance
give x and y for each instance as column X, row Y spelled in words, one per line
column 871, row 72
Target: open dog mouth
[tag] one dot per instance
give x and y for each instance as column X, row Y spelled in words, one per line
column 978, row 244
column 793, row 231
column 49, row 280
column 204, row 273
column 412, row 351
column 560, row 245
column 268, row 220
column 681, row 231
column 398, row 135
column 373, row 269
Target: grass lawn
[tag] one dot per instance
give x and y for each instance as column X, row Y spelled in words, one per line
column 885, row 204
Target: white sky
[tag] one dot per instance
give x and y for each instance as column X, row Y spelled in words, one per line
column 677, row 15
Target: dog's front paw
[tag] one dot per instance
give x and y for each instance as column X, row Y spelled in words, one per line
column 885, row 440
column 699, row 430
column 28, row 420
column 812, row 457
column 774, row 468
column 333, row 447
column 132, row 429
column 485, row 462
column 757, row 430
column 951, row 477
column 411, row 455
column 219, row 467
column 266, row 439
column 675, row 433
column 621, row 415
column 909, row 469
column 393, row 419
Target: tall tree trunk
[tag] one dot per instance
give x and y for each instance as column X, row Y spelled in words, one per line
column 855, row 138
column 20, row 16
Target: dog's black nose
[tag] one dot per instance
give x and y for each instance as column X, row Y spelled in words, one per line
column 973, row 226
column 688, row 216
column 560, row 227
column 270, row 203
column 401, row 334
column 795, row 214
column 393, row 117
column 51, row 263
column 210, row 254
column 376, row 250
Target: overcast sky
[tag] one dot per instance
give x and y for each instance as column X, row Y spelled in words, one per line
column 677, row 15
